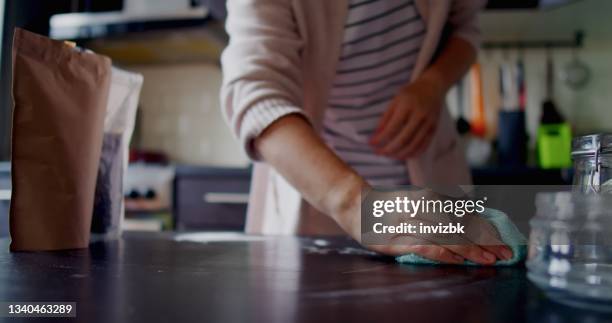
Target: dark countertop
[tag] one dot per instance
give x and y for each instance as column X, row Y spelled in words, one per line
column 152, row 278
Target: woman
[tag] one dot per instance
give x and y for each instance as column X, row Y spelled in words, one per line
column 338, row 95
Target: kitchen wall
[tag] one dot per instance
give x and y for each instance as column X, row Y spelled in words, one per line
column 588, row 109
column 180, row 115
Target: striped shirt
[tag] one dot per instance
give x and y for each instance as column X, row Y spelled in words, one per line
column 382, row 39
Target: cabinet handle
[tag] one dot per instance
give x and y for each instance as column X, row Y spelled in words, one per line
column 226, row 198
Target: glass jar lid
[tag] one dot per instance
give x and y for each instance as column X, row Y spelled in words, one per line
column 592, row 145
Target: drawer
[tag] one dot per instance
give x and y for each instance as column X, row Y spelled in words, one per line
column 211, row 203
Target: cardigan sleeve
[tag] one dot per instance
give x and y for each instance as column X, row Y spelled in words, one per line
column 463, row 20
column 262, row 79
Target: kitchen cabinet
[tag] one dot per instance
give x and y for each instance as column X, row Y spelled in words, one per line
column 210, row 198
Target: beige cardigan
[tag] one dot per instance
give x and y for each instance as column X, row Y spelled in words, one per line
column 282, row 59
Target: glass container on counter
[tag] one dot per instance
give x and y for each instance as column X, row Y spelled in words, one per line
column 570, row 248
column 592, row 157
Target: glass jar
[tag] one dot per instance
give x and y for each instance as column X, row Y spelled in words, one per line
column 570, row 248
column 592, row 156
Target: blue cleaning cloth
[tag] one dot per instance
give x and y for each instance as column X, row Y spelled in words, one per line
column 508, row 232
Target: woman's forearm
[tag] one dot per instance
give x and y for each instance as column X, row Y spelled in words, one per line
column 451, row 65
column 292, row 147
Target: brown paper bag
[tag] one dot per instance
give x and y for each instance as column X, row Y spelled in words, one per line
column 60, row 97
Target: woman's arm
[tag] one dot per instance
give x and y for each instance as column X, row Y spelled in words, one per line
column 292, row 147
column 409, row 124
column 261, row 99
column 451, row 65
column 262, row 78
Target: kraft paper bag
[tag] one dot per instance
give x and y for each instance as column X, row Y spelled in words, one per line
column 60, row 98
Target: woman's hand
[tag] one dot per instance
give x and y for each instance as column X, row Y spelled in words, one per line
column 406, row 129
column 409, row 124
column 481, row 244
